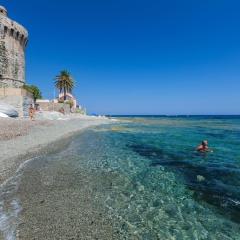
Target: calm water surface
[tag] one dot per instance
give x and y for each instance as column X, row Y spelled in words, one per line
column 153, row 183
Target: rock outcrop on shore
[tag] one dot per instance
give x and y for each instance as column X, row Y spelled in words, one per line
column 8, row 110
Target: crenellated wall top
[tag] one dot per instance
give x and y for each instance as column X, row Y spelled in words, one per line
column 13, row 28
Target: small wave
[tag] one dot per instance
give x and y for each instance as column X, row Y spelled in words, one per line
column 8, row 219
column 236, row 202
column 10, row 206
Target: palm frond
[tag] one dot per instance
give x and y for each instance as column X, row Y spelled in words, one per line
column 64, row 82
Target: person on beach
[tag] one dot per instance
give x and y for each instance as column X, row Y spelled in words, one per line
column 203, row 147
column 31, row 111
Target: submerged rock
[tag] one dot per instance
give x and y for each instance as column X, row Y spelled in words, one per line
column 8, row 110
column 200, row 178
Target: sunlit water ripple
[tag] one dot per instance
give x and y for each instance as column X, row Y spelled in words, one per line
column 158, row 186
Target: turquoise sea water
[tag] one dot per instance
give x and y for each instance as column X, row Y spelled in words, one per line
column 156, row 186
column 164, row 188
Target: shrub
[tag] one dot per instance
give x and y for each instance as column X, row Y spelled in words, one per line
column 34, row 90
column 70, row 102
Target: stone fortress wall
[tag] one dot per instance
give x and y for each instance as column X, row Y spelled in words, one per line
column 19, row 98
column 13, row 40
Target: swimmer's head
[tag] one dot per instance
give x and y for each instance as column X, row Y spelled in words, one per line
column 204, row 142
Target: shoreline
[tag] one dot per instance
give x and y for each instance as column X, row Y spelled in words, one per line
column 101, row 184
column 40, row 137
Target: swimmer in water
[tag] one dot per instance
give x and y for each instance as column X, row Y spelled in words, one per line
column 203, row 147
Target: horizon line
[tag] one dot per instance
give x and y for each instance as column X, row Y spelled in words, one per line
column 172, row 115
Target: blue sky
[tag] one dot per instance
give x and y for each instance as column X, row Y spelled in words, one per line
column 136, row 57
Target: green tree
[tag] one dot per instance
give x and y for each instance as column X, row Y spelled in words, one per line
column 34, row 90
column 64, row 83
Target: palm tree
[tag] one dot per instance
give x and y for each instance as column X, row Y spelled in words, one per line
column 64, row 83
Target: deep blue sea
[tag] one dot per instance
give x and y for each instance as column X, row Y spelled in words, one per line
column 158, row 186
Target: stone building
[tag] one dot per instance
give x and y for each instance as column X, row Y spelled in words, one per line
column 13, row 41
column 69, row 97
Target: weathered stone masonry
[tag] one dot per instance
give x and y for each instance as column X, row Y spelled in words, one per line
column 13, row 40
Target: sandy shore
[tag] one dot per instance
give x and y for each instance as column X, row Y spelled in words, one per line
column 21, row 139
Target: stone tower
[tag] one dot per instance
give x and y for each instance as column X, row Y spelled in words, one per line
column 13, row 41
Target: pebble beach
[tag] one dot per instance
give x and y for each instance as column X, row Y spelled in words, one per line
column 21, row 139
